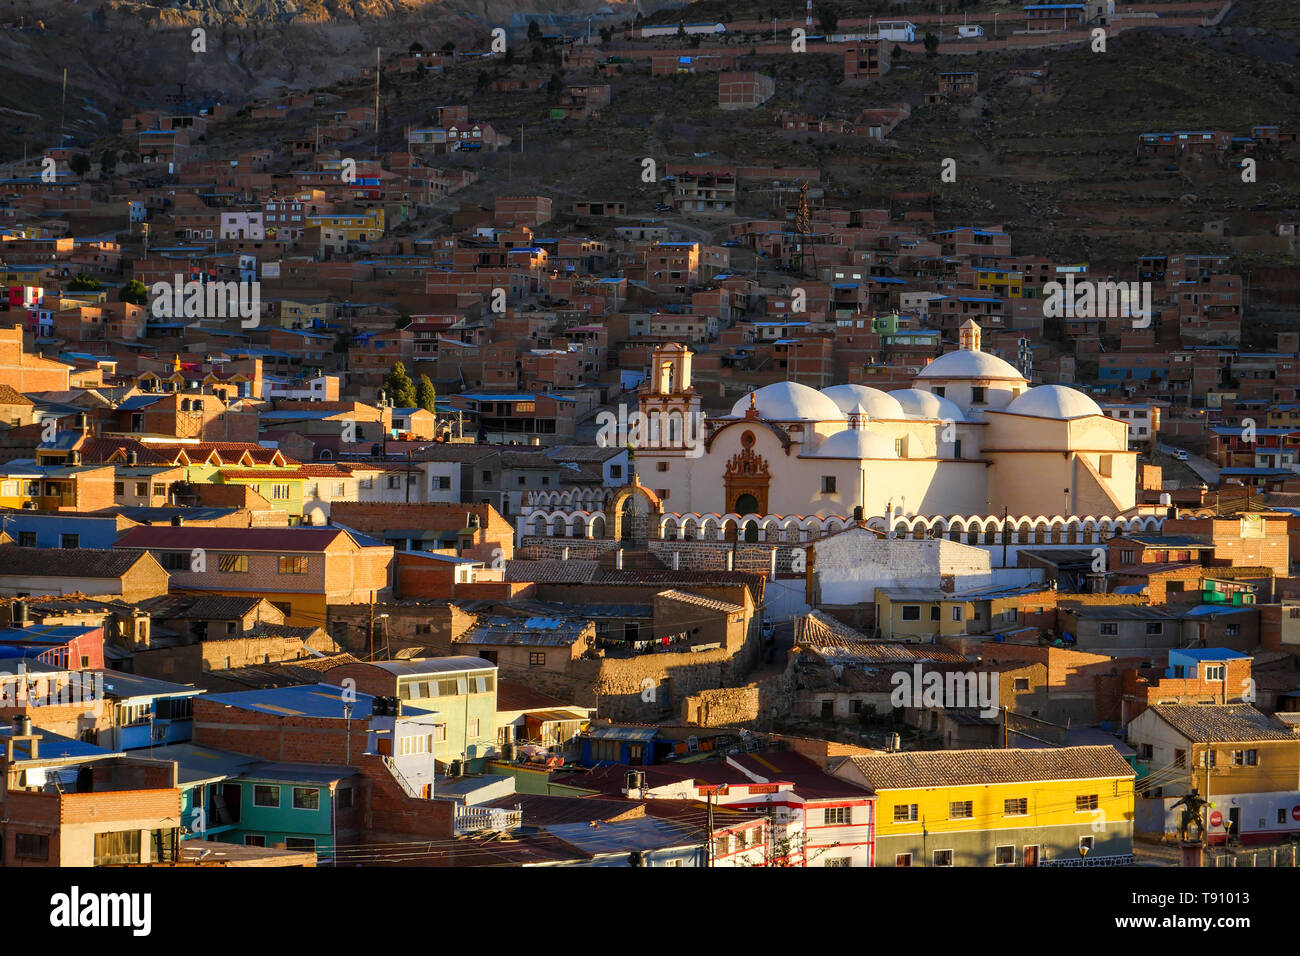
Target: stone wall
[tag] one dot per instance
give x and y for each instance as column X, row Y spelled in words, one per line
column 723, row 707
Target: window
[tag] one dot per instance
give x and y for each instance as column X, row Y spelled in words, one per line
column 1126, row 556
column 266, row 795
column 27, row 539
column 961, row 810
column 252, row 839
column 956, row 612
column 1004, row 856
column 902, row 859
column 942, row 857
column 70, row 541
column 898, row 448
column 977, row 395
column 828, row 484
column 233, row 563
column 537, row 658
column 439, row 734
column 1085, row 802
column 1155, row 627
column 299, row 843
column 1208, row 759
column 905, row 813
column 487, row 476
column 306, row 798
column 345, row 798
column 1085, row 844
column 112, row 849
column 911, row 612
column 1108, row 629
column 292, row 564
column 837, row 816
column 1214, row 672
column 838, row 861
column 1015, row 807
column 1020, row 683
column 32, row 846
column 119, row 489
column 472, row 727
column 934, row 612
column 616, row 471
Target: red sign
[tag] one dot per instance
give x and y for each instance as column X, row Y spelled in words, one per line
column 1216, row 819
column 1295, row 813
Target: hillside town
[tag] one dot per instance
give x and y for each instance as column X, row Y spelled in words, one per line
column 371, row 495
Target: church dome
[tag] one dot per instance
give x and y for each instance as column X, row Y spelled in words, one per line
column 1054, row 401
column 918, row 403
column 966, row 363
column 789, row 402
column 856, row 399
column 856, row 443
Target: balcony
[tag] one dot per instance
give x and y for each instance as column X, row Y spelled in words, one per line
column 469, row 820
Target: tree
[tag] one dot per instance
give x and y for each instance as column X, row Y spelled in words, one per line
column 931, row 45
column 416, row 47
column 448, row 48
column 425, row 395
column 135, row 292
column 108, row 162
column 80, row 164
column 681, row 29
column 399, row 387
column 82, row 282
column 534, row 31
column 555, row 86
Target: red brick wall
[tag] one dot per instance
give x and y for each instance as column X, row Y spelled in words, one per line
column 289, row 739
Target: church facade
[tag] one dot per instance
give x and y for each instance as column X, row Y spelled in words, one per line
column 971, row 437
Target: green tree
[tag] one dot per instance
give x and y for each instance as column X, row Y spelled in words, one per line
column 416, row 47
column 931, row 45
column 82, row 282
column 135, row 292
column 555, row 86
column 399, row 387
column 80, row 164
column 425, row 394
column 108, row 162
column 534, row 31
column 448, row 48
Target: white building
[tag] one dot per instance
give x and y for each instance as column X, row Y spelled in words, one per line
column 971, row 437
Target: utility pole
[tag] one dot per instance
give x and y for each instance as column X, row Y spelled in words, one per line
column 372, row 625
column 708, row 845
column 1004, row 534
column 376, row 101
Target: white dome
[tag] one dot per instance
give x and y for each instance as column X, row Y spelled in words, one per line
column 856, row 443
column 855, row 399
column 965, row 363
column 789, row 402
column 1054, row 401
column 918, row 403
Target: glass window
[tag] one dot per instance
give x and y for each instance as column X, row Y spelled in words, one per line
column 266, row 795
column 306, row 798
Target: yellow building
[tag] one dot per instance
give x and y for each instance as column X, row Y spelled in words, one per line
column 353, row 227
column 1063, row 806
column 1008, row 284
column 1244, row 762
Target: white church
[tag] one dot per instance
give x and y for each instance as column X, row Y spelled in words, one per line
column 971, row 437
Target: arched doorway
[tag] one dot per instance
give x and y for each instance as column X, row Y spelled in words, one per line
column 751, row 532
column 636, row 520
column 746, row 504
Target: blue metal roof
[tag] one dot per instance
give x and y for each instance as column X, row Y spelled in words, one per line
column 308, row 700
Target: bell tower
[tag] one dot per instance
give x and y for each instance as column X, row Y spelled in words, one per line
column 970, row 336
column 667, row 400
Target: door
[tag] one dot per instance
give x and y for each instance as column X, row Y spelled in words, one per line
column 1234, row 822
column 1031, row 856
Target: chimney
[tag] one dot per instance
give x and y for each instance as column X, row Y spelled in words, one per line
column 618, row 559
column 133, row 458
column 731, row 560
column 177, row 521
column 18, row 613
column 565, row 554
column 677, row 560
